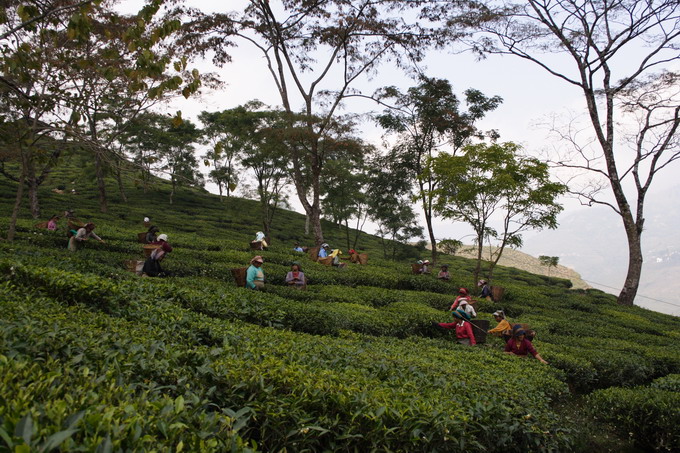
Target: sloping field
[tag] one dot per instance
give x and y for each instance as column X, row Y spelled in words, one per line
column 94, row 358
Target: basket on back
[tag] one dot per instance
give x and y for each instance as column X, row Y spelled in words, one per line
column 479, row 329
column 141, row 237
column 313, row 253
column 497, row 293
column 325, row 261
column 149, row 248
column 239, row 275
column 417, row 268
column 74, row 224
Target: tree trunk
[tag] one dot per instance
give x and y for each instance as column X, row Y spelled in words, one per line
column 121, row 189
column 315, row 220
column 101, row 184
column 427, row 212
column 33, row 196
column 630, row 286
column 478, row 266
column 347, row 232
column 306, row 224
column 172, row 191
column 17, row 206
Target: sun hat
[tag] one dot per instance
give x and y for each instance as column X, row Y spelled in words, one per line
column 257, row 259
column 162, row 237
column 482, row 282
column 500, row 313
column 146, row 219
column 324, row 245
column 426, row 262
column 460, row 314
column 463, row 291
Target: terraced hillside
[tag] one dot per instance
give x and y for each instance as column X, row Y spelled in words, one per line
column 94, row 358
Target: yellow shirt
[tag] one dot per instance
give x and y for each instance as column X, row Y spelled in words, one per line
column 501, row 327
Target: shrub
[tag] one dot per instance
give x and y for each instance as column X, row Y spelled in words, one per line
column 648, row 415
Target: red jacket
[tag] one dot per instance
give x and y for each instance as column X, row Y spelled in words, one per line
column 464, row 330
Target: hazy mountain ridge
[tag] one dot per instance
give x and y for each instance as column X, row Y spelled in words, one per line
column 526, row 262
column 598, row 250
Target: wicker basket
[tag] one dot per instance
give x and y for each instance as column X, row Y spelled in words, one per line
column 313, row 253
column 497, row 293
column 149, row 248
column 239, row 275
column 417, row 268
column 328, row 261
column 256, row 245
column 479, row 329
column 141, row 237
column 363, row 259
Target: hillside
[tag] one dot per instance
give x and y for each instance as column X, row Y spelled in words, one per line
column 94, row 358
column 520, row 260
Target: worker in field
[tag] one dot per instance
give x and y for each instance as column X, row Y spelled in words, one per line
column 259, row 237
column 296, row 278
column 444, row 273
column 462, row 326
column 151, row 235
column 503, row 328
column 463, row 294
column 152, row 265
column 519, row 345
column 323, row 250
column 486, row 290
column 81, row 235
column 52, row 223
column 255, row 274
column 297, row 248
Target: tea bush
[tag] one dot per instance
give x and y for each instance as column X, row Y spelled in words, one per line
column 649, row 415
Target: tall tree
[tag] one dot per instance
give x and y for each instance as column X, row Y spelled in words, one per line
column 428, row 119
column 608, row 50
column 168, row 143
column 344, row 187
column 44, row 45
column 388, row 193
column 218, row 133
column 488, row 181
column 317, row 51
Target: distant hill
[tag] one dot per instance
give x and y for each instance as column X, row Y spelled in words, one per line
column 526, row 262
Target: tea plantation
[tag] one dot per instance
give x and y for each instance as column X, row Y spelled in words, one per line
column 94, row 358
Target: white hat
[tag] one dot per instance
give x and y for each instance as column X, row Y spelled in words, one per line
column 162, row 237
column 324, row 245
column 146, row 219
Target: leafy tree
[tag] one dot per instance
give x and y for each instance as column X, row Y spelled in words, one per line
column 487, row 180
column 450, row 246
column 549, row 261
column 169, row 143
column 50, row 80
column 608, row 50
column 426, row 120
column 389, row 204
column 317, row 51
column 265, row 152
column 344, row 193
column 218, row 133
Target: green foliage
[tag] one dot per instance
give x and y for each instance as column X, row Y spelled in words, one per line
column 352, row 363
column 648, row 415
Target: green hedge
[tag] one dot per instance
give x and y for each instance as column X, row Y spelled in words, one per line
column 648, row 415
